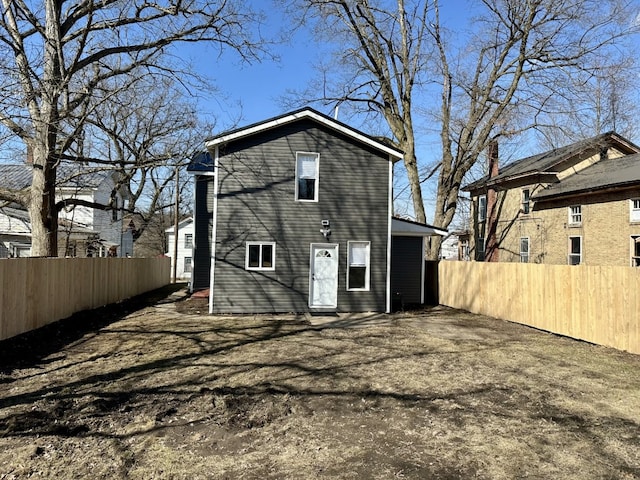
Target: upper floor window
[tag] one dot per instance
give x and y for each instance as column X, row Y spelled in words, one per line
column 260, row 256
column 575, row 215
column 526, row 201
column 575, row 250
column 482, row 208
column 188, row 240
column 524, row 249
column 114, row 212
column 307, row 173
column 634, row 210
column 635, row 250
column 358, row 263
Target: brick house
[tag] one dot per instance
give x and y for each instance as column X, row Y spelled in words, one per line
column 579, row 204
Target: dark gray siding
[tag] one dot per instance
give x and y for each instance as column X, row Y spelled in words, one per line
column 203, row 221
column 256, row 203
column 406, row 269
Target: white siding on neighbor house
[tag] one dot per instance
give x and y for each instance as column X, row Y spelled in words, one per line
column 13, row 225
column 100, row 221
column 184, row 251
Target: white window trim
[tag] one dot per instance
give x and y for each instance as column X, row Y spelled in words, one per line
column 635, row 260
column 569, row 254
column 571, row 221
column 367, row 273
column 528, row 252
column 634, row 213
column 190, row 244
column 184, row 264
column 317, row 178
column 483, row 217
column 527, row 202
column 260, row 268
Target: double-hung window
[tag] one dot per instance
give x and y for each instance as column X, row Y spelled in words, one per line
column 575, row 250
column 524, row 249
column 575, row 215
column 634, row 210
column 526, row 201
column 482, row 208
column 187, row 265
column 260, row 256
column 480, row 249
column 188, row 240
column 307, row 173
column 635, row 250
column 358, row 263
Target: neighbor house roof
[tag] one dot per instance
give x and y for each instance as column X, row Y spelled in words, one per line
column 550, row 162
column 311, row 114
column 17, row 177
column 402, row 227
column 181, row 224
column 606, row 174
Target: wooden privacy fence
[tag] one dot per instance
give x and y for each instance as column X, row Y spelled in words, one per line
column 596, row 304
column 39, row 291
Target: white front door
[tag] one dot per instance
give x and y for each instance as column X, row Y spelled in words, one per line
column 323, row 281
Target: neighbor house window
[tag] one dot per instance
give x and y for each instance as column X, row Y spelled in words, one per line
column 526, row 196
column 260, row 256
column 307, row 169
column 188, row 240
column 524, row 249
column 635, row 250
column 114, row 212
column 575, row 250
column 575, row 215
column 482, row 208
column 480, row 249
column 358, row 262
column 634, row 214
column 187, row 264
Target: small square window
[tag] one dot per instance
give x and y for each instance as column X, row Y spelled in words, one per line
column 188, row 240
column 260, row 256
column 307, row 168
column 575, row 215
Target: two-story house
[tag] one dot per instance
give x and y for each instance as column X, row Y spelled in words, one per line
column 82, row 230
column 294, row 214
column 184, row 248
column 579, row 204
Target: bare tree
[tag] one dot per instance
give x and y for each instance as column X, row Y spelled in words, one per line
column 495, row 79
column 57, row 54
column 382, row 54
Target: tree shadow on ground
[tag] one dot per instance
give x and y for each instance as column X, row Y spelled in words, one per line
column 37, row 346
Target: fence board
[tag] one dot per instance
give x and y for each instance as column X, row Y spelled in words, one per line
column 39, row 291
column 596, row 304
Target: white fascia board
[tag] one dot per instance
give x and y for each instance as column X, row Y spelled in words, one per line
column 296, row 116
column 410, row 229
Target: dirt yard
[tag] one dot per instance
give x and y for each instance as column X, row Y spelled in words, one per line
column 153, row 390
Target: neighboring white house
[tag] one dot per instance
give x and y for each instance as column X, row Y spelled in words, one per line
column 185, row 247
column 82, row 230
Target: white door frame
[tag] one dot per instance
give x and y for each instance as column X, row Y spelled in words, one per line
column 313, row 248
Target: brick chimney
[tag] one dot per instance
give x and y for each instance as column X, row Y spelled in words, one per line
column 491, row 248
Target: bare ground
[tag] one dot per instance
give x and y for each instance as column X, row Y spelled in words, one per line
column 152, row 389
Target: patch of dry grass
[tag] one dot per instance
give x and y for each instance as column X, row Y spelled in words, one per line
column 436, row 394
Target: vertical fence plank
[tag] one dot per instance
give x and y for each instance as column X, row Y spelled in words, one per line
column 596, row 304
column 38, row 291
